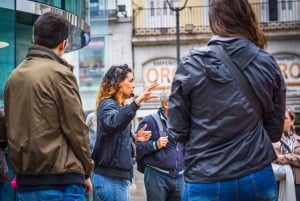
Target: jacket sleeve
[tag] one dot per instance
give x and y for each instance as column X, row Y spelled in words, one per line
column 146, row 148
column 179, row 109
column 73, row 120
column 273, row 119
column 115, row 118
column 294, row 160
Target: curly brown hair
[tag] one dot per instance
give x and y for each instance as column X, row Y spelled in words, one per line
column 110, row 84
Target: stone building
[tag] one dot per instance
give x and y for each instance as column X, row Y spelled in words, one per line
column 154, row 39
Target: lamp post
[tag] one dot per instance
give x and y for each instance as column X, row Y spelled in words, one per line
column 174, row 6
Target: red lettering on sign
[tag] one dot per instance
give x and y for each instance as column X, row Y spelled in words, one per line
column 163, row 75
column 294, row 70
column 290, row 71
column 283, row 68
column 152, row 75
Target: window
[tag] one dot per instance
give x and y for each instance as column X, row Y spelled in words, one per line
column 152, row 11
column 165, row 8
column 91, row 63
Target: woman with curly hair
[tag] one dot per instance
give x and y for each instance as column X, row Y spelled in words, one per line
column 113, row 152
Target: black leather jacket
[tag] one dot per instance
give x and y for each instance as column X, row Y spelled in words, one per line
column 225, row 138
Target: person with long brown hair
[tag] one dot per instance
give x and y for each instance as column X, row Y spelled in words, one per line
column 228, row 139
column 113, row 151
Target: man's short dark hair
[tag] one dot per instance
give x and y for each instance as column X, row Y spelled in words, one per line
column 50, row 30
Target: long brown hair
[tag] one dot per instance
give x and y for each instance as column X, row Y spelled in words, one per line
column 109, row 87
column 235, row 18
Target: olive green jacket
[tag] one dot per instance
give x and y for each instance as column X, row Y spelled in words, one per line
column 45, row 122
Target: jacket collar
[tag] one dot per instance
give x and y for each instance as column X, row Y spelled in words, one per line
column 41, row 51
column 220, row 38
column 161, row 115
column 240, row 50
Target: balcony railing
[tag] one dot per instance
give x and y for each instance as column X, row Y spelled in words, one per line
column 194, row 20
column 104, row 10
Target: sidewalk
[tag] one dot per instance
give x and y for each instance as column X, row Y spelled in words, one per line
column 138, row 193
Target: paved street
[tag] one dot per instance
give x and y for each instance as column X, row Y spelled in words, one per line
column 138, row 193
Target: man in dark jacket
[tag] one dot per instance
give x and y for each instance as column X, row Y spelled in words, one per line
column 48, row 140
column 163, row 174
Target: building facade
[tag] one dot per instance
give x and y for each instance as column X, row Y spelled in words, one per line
column 111, row 33
column 17, row 18
column 154, row 40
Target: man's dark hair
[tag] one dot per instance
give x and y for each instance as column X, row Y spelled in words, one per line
column 50, row 30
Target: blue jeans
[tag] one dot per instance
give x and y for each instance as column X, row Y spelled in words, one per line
column 70, row 193
column 111, row 189
column 161, row 186
column 258, row 186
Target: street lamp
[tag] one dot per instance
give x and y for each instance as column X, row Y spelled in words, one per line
column 174, row 6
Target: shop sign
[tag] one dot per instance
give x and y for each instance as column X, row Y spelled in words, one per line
column 161, row 71
column 290, row 68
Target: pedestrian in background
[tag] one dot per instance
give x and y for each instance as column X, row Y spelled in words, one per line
column 48, row 140
column 91, row 121
column 113, row 151
column 288, row 153
column 229, row 148
column 4, row 174
column 164, row 158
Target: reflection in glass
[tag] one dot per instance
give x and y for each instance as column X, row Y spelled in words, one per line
column 7, row 59
column 91, row 63
column 77, row 8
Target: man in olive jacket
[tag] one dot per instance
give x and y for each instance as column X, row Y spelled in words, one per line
column 48, row 139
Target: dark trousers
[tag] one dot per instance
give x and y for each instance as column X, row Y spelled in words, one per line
column 161, row 186
column 297, row 188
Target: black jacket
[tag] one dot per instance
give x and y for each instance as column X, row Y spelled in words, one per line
column 113, row 152
column 225, row 138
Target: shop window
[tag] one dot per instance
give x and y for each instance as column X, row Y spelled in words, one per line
column 91, row 63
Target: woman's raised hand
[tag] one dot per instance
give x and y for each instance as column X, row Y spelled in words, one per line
column 147, row 94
